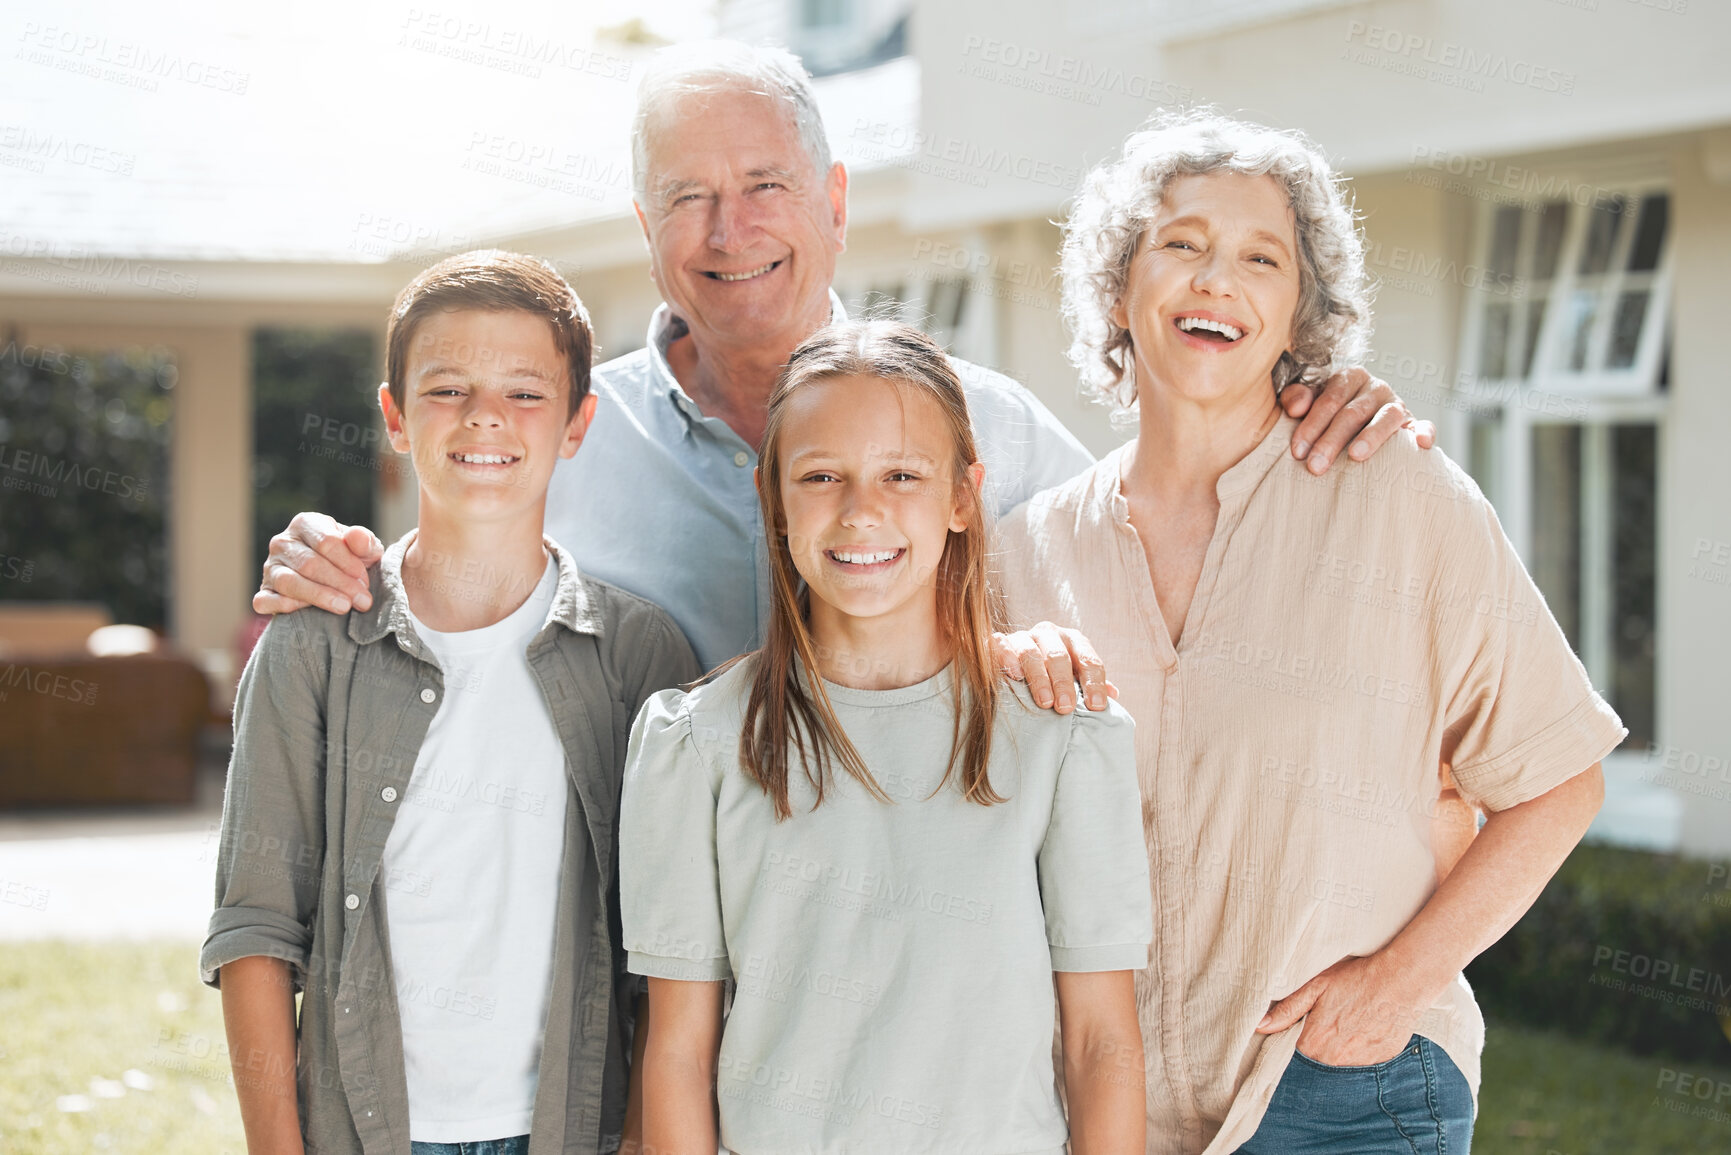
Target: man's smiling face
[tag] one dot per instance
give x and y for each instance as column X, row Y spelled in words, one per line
column 743, row 234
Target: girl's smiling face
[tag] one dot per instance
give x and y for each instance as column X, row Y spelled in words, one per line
column 1213, row 288
column 870, row 494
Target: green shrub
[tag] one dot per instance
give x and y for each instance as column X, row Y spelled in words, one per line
column 1624, row 947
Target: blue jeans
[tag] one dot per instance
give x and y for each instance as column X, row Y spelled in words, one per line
column 1417, row 1103
column 516, row 1145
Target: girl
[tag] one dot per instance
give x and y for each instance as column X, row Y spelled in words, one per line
column 888, row 849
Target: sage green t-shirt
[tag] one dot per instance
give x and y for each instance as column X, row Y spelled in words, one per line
column 894, row 960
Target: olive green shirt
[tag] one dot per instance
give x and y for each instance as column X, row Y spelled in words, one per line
column 329, row 719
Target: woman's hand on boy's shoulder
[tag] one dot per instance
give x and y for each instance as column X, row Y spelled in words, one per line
column 1052, row 660
column 318, row 561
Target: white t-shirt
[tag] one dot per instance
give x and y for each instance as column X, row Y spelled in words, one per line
column 472, row 879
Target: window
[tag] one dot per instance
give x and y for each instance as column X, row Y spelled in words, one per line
column 945, row 308
column 84, row 437
column 1574, row 295
column 1566, row 334
column 834, row 36
column 815, row 14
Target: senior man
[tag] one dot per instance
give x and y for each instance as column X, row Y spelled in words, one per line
column 745, row 213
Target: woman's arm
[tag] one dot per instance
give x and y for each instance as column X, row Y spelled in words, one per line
column 679, row 1113
column 1103, row 1072
column 1363, row 1010
column 258, row 1012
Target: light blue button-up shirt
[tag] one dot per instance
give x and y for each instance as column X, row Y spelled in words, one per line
column 659, row 500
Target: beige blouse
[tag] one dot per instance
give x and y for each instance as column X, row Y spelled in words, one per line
column 1349, row 634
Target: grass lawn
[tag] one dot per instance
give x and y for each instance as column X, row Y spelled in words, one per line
column 1546, row 1094
column 126, row 1037
column 119, row 1048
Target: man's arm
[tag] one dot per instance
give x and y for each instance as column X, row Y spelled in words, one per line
column 1351, row 406
column 679, row 1111
column 259, row 1016
column 1363, row 1010
column 317, row 561
column 1103, row 1073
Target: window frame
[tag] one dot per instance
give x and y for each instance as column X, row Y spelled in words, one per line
column 1549, row 372
column 1593, row 399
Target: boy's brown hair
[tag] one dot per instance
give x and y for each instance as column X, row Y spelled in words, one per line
column 495, row 281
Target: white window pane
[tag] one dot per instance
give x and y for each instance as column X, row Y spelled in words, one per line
column 1505, row 240
column 1549, row 244
column 1649, row 233
column 1556, row 497
column 1494, row 348
column 1626, row 329
column 1633, row 541
column 1602, row 228
column 1578, row 325
column 825, row 13
column 1530, row 338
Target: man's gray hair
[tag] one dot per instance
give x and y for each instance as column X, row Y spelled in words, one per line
column 707, row 66
column 1118, row 201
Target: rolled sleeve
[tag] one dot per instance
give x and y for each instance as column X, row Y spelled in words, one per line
column 271, row 855
column 238, row 932
column 1093, row 861
column 669, row 884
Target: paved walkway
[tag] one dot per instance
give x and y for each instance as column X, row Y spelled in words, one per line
column 136, row 873
column 148, row 873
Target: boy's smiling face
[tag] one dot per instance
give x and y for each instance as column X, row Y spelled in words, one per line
column 486, row 412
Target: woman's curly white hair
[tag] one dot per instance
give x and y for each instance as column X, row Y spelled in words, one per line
column 1118, row 201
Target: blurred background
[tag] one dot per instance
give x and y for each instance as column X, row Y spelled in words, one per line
column 205, row 211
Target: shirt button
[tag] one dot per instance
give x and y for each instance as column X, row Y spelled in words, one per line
column 352, row 901
column 389, row 794
column 427, row 695
column 741, row 458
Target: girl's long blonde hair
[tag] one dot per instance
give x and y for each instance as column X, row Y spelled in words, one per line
column 787, row 708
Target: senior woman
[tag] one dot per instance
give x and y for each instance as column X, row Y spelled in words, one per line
column 1330, row 675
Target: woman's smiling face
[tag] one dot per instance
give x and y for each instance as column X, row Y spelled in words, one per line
column 1213, row 288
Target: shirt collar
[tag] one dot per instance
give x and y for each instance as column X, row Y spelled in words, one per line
column 1239, row 480
column 574, row 605
column 666, row 327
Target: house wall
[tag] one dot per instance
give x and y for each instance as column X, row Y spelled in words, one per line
column 1020, row 94
column 1694, row 675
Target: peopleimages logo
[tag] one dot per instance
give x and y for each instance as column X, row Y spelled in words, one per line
column 1452, row 63
column 146, row 66
column 99, row 267
column 47, row 683
column 1692, row 979
column 37, row 473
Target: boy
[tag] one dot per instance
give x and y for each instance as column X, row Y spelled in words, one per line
column 421, row 809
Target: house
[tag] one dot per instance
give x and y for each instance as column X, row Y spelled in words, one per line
column 1545, row 188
